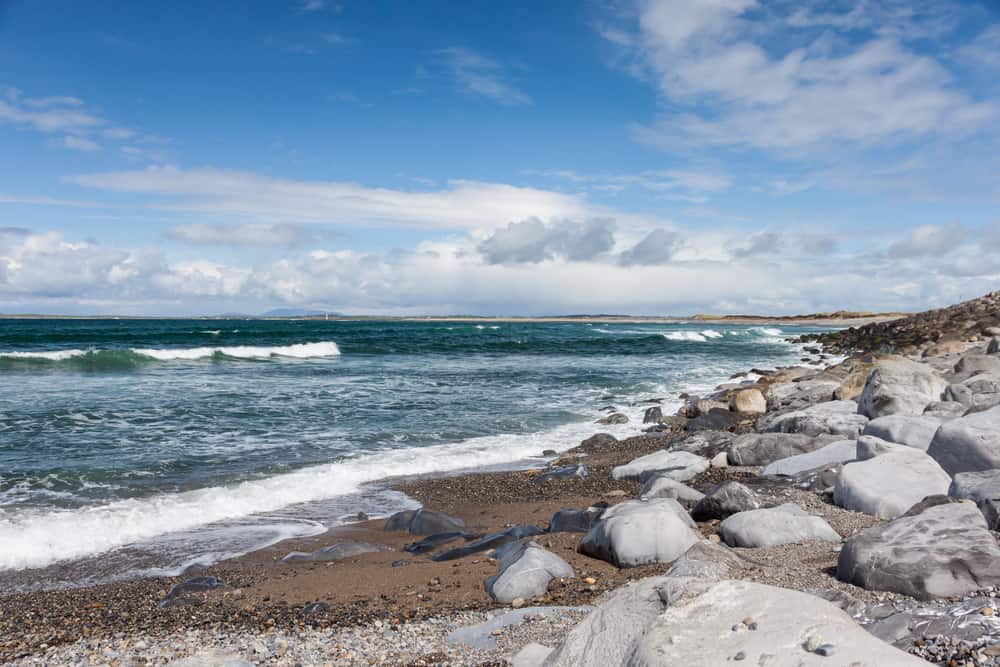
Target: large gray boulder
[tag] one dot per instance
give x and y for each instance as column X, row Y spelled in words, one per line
column 637, row 532
column 758, row 449
column 724, row 500
column 665, row 486
column 706, row 560
column 800, row 394
column 888, row 485
column 836, row 452
column 968, row 444
column 934, row 550
column 945, row 410
column 748, row 401
column 525, row 572
column 791, row 629
column 983, row 488
column 680, row 466
column 785, row 524
column 423, row 522
column 911, row 430
column 605, row 636
column 833, row 417
column 974, row 364
column 980, row 392
column 899, row 386
column 705, row 443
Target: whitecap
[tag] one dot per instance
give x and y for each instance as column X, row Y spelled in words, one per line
column 692, row 336
column 298, row 351
column 51, row 355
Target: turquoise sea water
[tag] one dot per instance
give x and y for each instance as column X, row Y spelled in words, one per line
column 146, row 445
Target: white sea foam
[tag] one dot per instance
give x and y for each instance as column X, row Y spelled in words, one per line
column 712, row 333
column 767, row 331
column 38, row 539
column 51, row 355
column 299, row 351
column 692, row 336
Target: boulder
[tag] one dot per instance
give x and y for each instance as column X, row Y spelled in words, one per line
column 934, row 550
column 944, row 410
column 613, row 418
column 979, row 392
column 790, row 628
column 525, row 572
column 993, row 347
column 851, row 386
column 491, row 541
column 704, row 406
column 868, row 447
column 785, row 524
column 915, row 431
column 575, row 521
column 678, row 465
column 705, row 443
column 605, row 637
column 800, row 394
column 968, row 444
column 638, row 532
column 833, row 417
column 899, row 386
column 706, row 560
column 716, row 419
column 748, row 401
column 983, row 488
column 652, row 415
column 887, row 485
column 724, row 500
column 423, row 522
column 836, row 452
column 944, row 347
column 572, row 471
column 664, row 486
column 432, row 542
column 975, row 364
column 599, row 441
column 757, row 449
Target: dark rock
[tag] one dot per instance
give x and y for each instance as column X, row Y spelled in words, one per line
column 491, row 541
column 525, row 571
column 315, row 608
column 423, row 522
column 599, row 441
column 400, row 563
column 652, row 415
column 434, row 541
column 575, row 521
column 724, row 500
column 758, row 449
column 614, row 418
column 716, row 419
column 192, row 585
column 565, row 472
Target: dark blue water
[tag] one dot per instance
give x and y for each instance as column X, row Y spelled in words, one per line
column 188, row 438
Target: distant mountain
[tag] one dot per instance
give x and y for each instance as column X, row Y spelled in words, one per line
column 295, row 312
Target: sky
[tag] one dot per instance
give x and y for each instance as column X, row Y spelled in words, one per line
column 651, row 157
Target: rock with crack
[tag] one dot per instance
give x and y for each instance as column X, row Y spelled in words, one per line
column 706, row 560
column 836, row 452
column 940, row 548
column 638, row 532
column 915, row 431
column 725, row 499
column 680, row 466
column 525, row 571
column 785, row 524
column 839, row 418
column 968, row 444
column 665, row 486
column 790, row 628
column 899, row 386
column 983, row 488
column 760, row 449
column 889, row 484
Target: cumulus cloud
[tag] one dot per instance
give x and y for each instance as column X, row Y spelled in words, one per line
column 480, row 76
column 535, row 241
column 928, row 240
column 761, row 243
column 658, row 247
column 843, row 76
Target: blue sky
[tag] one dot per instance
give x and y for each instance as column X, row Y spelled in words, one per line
column 497, row 158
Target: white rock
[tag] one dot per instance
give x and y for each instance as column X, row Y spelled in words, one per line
column 900, row 386
column 968, row 444
column 525, row 572
column 532, row 655
column 911, row 430
column 664, row 486
column 888, row 485
column 785, row 524
column 680, row 466
column 638, row 532
column 836, row 452
column 833, row 417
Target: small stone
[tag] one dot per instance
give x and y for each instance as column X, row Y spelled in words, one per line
column 517, row 603
column 826, row 650
column 740, row 656
column 614, row 493
column 752, row 626
column 812, row 643
column 496, row 632
column 589, row 580
column 714, row 538
column 987, row 611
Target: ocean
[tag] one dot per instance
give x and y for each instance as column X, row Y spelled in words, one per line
column 141, row 447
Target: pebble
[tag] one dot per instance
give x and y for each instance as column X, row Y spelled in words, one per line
column 740, row 656
column 826, row 650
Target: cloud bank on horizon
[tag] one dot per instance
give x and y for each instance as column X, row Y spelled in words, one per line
column 645, row 157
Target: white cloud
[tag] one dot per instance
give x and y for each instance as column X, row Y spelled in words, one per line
column 928, row 240
column 459, row 205
column 691, row 184
column 79, row 143
column 658, row 247
column 532, row 241
column 241, row 235
column 480, row 76
column 731, row 78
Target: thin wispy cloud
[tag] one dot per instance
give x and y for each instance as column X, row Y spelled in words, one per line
column 480, row 76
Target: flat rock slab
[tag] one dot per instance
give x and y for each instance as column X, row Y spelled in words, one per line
column 480, row 635
column 334, row 552
column 791, row 626
column 575, row 521
column 888, row 485
column 423, row 522
column 983, row 488
column 961, row 621
column 935, row 550
column 915, row 431
column 785, row 524
column 833, row 417
column 760, row 449
column 491, row 541
column 638, row 532
column 968, row 444
column 835, row 452
column 680, row 466
column 900, row 386
column 525, row 572
column 665, row 486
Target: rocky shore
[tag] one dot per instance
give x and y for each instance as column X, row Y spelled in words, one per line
column 837, row 515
